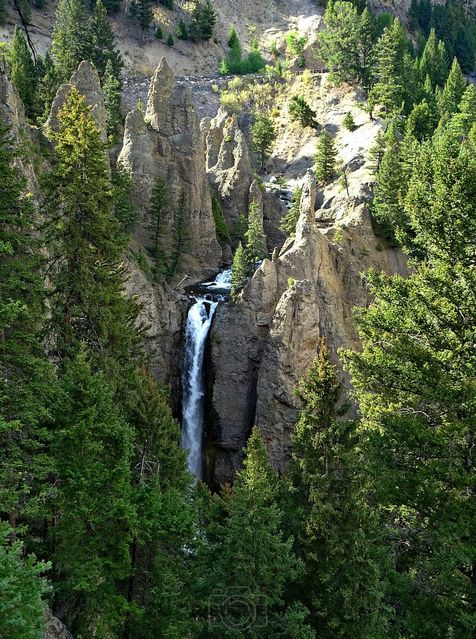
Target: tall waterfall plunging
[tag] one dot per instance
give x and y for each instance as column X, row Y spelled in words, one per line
column 198, row 324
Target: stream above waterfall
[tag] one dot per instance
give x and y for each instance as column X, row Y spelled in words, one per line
column 205, row 299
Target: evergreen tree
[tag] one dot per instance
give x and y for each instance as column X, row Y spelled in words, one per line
column 325, row 163
column 182, row 31
column 250, row 561
column 422, row 121
column 181, row 233
column 255, row 238
column 340, row 42
column 365, row 48
column 26, row 378
column 142, row 11
column 158, row 220
column 158, row 585
column 349, row 122
column 415, row 384
column 393, row 71
column 22, row 72
column 87, row 304
column 170, row 40
column 103, row 43
column 22, row 604
column 387, row 206
column 463, row 121
column 203, row 20
column 300, row 111
column 331, row 520
column 239, row 271
column 288, row 224
column 453, row 90
column 465, row 49
column 124, row 210
column 111, row 88
column 70, row 43
column 263, row 135
column 295, row 45
column 93, row 513
column 434, row 62
column 48, row 84
column 221, row 226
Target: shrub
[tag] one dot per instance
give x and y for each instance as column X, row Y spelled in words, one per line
column 170, row 40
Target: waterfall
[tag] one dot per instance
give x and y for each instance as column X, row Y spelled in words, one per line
column 199, row 320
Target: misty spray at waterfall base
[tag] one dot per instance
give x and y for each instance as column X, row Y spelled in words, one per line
column 199, row 320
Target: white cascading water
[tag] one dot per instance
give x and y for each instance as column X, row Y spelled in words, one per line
column 198, row 324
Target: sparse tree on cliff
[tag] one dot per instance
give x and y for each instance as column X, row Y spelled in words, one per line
column 263, row 135
column 326, row 154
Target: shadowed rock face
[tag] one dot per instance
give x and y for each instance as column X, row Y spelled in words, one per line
column 264, row 343
column 167, row 142
column 228, row 165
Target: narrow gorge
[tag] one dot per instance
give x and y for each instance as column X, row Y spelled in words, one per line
column 237, row 319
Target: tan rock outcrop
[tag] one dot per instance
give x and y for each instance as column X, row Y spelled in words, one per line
column 167, row 142
column 86, row 80
column 229, row 165
column 269, row 337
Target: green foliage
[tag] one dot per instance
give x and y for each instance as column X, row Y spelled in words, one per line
column 393, row 72
column 203, row 20
column 235, row 63
column 256, row 249
column 414, row 380
column 453, row 91
column 26, row 378
column 182, row 31
column 48, row 83
column 263, row 135
column 165, row 518
column 159, row 34
column 87, row 305
column 141, row 10
column 220, row 225
column 325, row 161
column 300, row 111
column 346, row 43
column 23, row 72
column 158, row 220
column 349, row 122
column 239, row 271
column 167, row 3
column 112, row 88
column 170, row 40
column 103, row 44
column 434, row 61
column 124, row 210
column 22, row 604
column 453, row 24
column 94, row 517
column 332, row 524
column 181, row 233
column 296, row 45
column 70, row 43
column 288, row 224
column 248, row 554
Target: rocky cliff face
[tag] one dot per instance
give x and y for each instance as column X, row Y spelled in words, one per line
column 264, row 343
column 167, row 142
column 86, row 80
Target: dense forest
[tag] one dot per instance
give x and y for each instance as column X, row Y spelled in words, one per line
column 369, row 533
